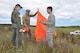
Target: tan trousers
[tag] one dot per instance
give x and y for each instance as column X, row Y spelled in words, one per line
column 25, row 38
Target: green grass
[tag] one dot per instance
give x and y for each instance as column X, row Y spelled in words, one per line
column 63, row 43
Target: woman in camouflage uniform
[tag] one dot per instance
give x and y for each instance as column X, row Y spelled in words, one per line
column 16, row 25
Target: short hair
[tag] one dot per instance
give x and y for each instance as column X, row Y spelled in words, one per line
column 50, row 8
column 27, row 10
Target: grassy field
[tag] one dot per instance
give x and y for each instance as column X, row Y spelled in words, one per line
column 63, row 43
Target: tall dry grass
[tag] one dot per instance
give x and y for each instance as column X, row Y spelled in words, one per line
column 63, row 43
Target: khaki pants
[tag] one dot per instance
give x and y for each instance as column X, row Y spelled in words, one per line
column 24, row 37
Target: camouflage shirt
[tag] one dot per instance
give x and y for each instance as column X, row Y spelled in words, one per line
column 50, row 24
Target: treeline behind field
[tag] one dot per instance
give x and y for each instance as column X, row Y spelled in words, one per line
column 35, row 26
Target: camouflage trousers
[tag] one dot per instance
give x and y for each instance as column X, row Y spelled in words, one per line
column 49, row 38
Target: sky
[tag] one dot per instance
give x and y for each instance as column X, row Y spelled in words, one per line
column 67, row 12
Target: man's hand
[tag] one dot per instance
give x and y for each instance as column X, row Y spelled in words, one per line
column 41, row 21
column 37, row 11
column 21, row 30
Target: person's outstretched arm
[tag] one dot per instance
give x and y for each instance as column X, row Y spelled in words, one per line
column 33, row 14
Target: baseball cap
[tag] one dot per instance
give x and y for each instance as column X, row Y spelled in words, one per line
column 19, row 5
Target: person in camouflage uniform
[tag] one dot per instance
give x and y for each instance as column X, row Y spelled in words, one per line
column 50, row 27
column 26, row 23
column 16, row 25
